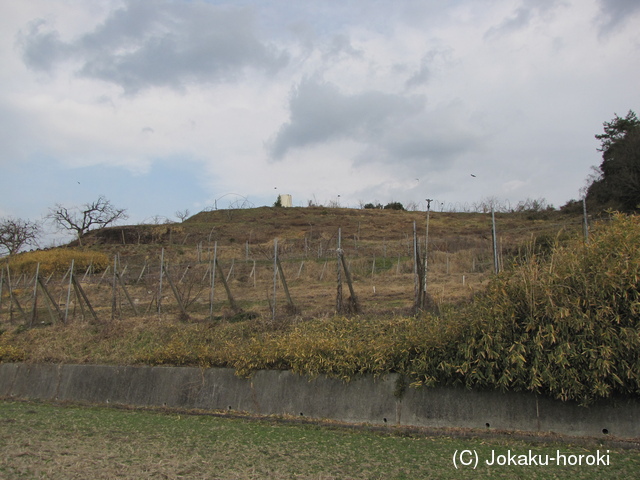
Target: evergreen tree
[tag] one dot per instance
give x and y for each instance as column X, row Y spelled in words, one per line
column 618, row 184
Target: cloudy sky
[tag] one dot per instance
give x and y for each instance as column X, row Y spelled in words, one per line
column 168, row 105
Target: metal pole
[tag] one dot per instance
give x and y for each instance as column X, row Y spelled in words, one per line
column 34, row 311
column 66, row 310
column 213, row 279
column 275, row 275
column 495, row 246
column 426, row 251
column 160, row 283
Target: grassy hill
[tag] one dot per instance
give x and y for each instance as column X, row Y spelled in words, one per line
column 378, row 245
column 561, row 319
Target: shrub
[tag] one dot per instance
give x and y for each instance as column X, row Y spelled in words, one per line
column 58, row 261
column 394, row 206
column 567, row 327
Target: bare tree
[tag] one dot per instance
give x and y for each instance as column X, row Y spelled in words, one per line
column 15, row 233
column 100, row 213
column 183, row 214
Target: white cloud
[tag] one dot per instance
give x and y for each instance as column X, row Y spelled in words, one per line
column 355, row 99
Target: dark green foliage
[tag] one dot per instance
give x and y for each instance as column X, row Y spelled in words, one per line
column 567, row 327
column 618, row 184
column 394, row 206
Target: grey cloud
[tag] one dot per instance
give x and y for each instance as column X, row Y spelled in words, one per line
column 430, row 141
column 393, row 129
column 159, row 44
column 341, row 44
column 433, row 59
column 420, row 77
column 614, row 13
column 41, row 47
column 523, row 16
column 321, row 113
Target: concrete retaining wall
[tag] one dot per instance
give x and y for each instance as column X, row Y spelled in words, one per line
column 366, row 400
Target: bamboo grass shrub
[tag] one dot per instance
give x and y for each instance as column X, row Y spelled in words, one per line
column 567, row 326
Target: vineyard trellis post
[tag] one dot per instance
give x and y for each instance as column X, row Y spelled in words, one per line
column 160, row 282
column 1, row 285
column 355, row 305
column 339, row 305
column 496, row 266
column 213, row 279
column 66, row 309
column 34, row 310
column 285, row 286
column 51, row 300
column 426, row 256
column 275, row 278
column 232, row 302
column 82, row 296
column 124, row 289
column 176, row 294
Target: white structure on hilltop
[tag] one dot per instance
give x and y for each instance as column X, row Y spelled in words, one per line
column 286, row 200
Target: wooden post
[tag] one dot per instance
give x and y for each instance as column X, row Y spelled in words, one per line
column 186, row 270
column 213, row 279
column 232, row 302
column 354, row 300
column 417, row 268
column 126, row 293
column 254, row 274
column 426, row 257
column 300, row 269
column 496, row 268
column 177, row 295
column 51, row 300
column 114, row 288
column 1, row 285
column 160, row 282
column 66, row 310
column 34, row 310
column 81, row 295
column 284, row 285
column 339, row 305
column 13, row 300
column 233, row 262
column 275, row 277
column 144, row 267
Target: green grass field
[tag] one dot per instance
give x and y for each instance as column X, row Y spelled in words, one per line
column 41, row 441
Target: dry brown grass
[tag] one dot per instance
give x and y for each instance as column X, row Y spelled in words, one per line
column 377, row 245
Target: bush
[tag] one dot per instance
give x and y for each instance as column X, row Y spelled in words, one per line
column 58, row 261
column 567, row 327
column 394, row 206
